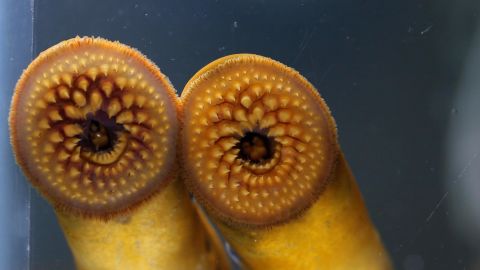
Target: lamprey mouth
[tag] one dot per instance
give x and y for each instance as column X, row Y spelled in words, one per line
column 93, row 125
column 259, row 143
column 255, row 147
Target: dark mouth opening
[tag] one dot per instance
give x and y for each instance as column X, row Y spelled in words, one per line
column 255, row 147
column 99, row 132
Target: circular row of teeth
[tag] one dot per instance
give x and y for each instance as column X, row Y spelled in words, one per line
column 245, row 98
column 66, row 94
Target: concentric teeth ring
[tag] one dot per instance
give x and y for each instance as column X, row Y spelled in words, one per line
column 93, row 125
column 258, row 141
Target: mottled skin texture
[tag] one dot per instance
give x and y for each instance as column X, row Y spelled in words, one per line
column 297, row 207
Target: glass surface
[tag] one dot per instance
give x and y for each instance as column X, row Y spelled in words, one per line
column 15, row 54
column 400, row 78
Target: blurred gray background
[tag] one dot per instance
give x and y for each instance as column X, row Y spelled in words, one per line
column 392, row 72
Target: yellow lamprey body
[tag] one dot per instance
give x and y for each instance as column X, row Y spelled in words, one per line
column 163, row 233
column 94, row 127
column 324, row 237
column 260, row 152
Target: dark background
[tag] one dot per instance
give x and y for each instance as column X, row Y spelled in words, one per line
column 387, row 69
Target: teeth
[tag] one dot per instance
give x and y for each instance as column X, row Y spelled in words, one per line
column 140, row 100
column 41, row 104
column 240, row 115
column 114, row 107
column 107, row 87
column 104, row 69
column 230, row 157
column 268, row 121
column 257, row 114
column 226, row 112
column 257, row 90
column 50, row 97
column 55, row 78
column 125, row 117
column 55, row 137
column 121, row 82
column 277, row 131
column 43, row 124
column 54, row 115
column 213, row 115
column 230, row 96
column 132, row 82
column 79, row 98
column 95, row 100
column 49, row 149
column 72, row 129
column 284, row 115
column 46, row 83
column 284, row 102
column 67, row 78
column 141, row 117
column 92, row 73
column 127, row 100
column 63, row 92
column 74, row 172
column 73, row 112
column 294, row 131
column 63, row 155
column 246, row 101
column 83, row 83
column 227, row 144
column 71, row 143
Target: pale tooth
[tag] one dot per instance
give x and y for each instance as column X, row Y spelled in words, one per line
column 49, row 149
column 63, row 92
column 127, row 100
column 56, row 137
column 257, row 114
column 107, row 87
column 121, row 82
column 96, row 100
column 268, row 121
column 284, row 115
column 226, row 112
column 63, row 155
column 79, row 98
column 271, row 102
column 230, row 96
column 125, row 117
column 50, row 97
column 71, row 143
column 277, row 131
column 67, row 78
column 114, row 107
column 43, row 124
column 92, row 73
column 104, row 69
column 240, row 115
column 141, row 117
column 140, row 100
column 246, row 101
column 294, row 131
column 73, row 112
column 213, row 115
column 83, row 83
column 54, row 115
column 227, row 144
column 72, row 130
